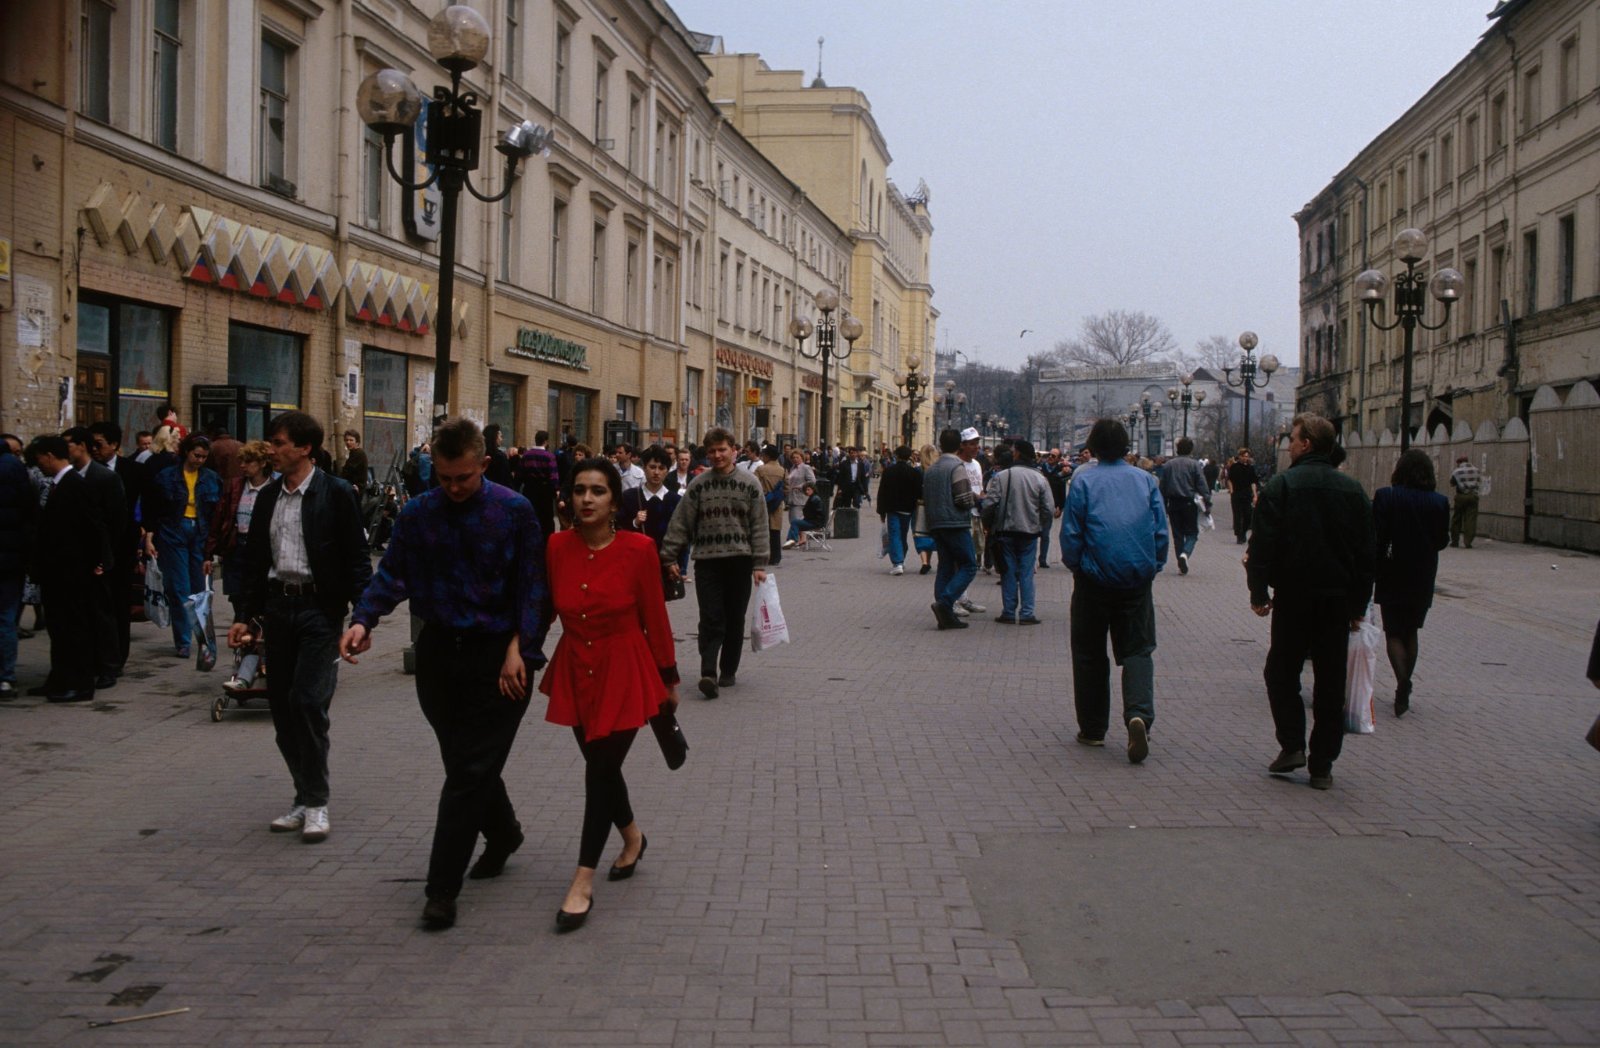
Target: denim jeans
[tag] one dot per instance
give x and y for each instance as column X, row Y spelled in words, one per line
column 180, row 550
column 1183, row 517
column 1129, row 617
column 957, row 566
column 10, row 612
column 899, row 534
column 1016, row 585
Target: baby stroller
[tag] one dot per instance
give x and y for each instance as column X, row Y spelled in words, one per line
column 249, row 680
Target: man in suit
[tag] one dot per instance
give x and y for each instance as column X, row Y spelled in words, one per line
column 71, row 554
column 852, row 477
column 113, row 506
column 105, row 444
column 305, row 563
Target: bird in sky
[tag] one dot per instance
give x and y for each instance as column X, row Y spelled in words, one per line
column 1025, row 331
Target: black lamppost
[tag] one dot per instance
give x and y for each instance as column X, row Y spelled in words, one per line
column 1000, row 426
column 1133, row 428
column 389, row 103
column 912, row 383
column 827, row 329
column 1151, row 413
column 1247, row 374
column 1188, row 398
column 951, row 400
column 1411, row 246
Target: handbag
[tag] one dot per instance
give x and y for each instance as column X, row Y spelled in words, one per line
column 669, row 735
column 671, row 588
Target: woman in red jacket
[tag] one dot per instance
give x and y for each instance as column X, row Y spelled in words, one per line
column 613, row 670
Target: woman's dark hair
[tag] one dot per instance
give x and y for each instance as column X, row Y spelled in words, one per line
column 949, row 441
column 1414, row 469
column 1108, row 440
column 597, row 464
column 189, row 443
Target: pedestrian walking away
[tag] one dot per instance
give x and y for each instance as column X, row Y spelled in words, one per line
column 724, row 517
column 305, row 563
column 1021, row 509
column 898, row 491
column 948, row 500
column 614, row 668
column 1411, row 523
column 1114, row 541
column 1243, row 485
column 1310, row 566
column 105, row 443
column 1182, row 481
column 469, row 557
column 1467, row 483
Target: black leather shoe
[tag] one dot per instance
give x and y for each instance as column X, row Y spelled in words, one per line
column 622, row 873
column 493, row 860
column 726, row 681
column 708, row 687
column 105, row 681
column 75, row 695
column 571, row 922
column 1288, row 760
column 439, row 914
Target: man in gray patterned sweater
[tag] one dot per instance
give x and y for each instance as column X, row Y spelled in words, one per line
column 723, row 516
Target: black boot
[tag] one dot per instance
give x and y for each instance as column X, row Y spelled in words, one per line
column 1402, row 698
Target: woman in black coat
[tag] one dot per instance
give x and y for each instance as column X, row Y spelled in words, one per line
column 1413, row 525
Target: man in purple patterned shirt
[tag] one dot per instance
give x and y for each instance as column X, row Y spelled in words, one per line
column 469, row 556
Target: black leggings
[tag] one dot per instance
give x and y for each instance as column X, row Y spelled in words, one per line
column 605, row 794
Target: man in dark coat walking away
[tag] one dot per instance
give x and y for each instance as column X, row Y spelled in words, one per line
column 70, row 556
column 899, row 490
column 113, row 505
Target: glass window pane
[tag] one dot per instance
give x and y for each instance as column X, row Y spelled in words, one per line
column 94, row 329
column 97, row 60
column 503, row 410
column 384, row 405
column 167, row 17
column 273, row 71
column 266, row 359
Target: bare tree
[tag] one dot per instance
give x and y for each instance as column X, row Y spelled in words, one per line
column 1118, row 337
column 1213, row 353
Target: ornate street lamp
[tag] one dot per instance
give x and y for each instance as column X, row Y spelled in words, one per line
column 1151, row 413
column 1188, row 398
column 1411, row 247
column 826, row 329
column 951, row 400
column 912, row 383
column 389, row 103
column 1247, row 374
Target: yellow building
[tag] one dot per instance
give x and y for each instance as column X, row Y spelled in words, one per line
column 826, row 139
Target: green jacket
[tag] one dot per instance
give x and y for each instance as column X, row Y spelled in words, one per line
column 1312, row 538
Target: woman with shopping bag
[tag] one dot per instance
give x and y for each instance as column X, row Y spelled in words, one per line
column 1413, row 524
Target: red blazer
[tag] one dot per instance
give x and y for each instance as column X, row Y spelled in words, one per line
column 615, row 659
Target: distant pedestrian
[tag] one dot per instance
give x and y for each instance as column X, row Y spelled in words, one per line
column 1212, row 472
column 105, row 444
column 1412, row 523
column 1310, row 566
column 19, row 511
column 1056, row 472
column 1022, row 509
column 1114, row 541
column 772, row 477
column 177, row 512
column 1243, row 486
column 724, row 517
column 948, row 499
column 354, row 470
column 499, row 468
column 1183, row 481
column 72, row 552
column 1467, row 483
column 898, row 492
column 541, row 480
column 800, row 474
column 975, row 464
column 106, row 489
column 648, row 508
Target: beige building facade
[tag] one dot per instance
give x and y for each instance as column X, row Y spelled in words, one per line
column 191, row 211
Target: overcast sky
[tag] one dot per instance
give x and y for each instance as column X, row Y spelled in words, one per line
column 1140, row 154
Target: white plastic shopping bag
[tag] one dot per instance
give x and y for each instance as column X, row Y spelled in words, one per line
column 767, row 628
column 155, row 595
column 1361, row 676
column 1207, row 523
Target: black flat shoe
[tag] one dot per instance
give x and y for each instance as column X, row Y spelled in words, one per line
column 622, row 873
column 493, row 860
column 571, row 922
column 439, row 914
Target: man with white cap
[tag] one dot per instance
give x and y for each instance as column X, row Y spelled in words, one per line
column 969, row 459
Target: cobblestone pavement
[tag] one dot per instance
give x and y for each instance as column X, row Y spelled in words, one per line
column 807, row 877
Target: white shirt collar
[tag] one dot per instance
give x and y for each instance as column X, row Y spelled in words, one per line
column 657, row 495
column 63, row 472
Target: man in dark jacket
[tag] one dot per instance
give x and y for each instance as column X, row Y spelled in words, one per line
column 105, row 444
column 72, row 551
column 19, row 509
column 1182, row 481
column 305, row 563
column 899, row 489
column 851, row 479
column 1056, row 472
column 1310, row 566
column 112, row 503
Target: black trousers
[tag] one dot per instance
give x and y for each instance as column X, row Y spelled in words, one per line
column 722, row 589
column 605, row 792
column 775, row 551
column 1318, row 630
column 108, row 654
column 1241, row 515
column 302, row 644
column 69, row 620
column 458, row 688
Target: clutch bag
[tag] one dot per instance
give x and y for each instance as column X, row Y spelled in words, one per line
column 674, row 747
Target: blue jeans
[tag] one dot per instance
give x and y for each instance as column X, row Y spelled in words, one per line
column 957, row 565
column 899, row 532
column 1183, row 516
column 1017, row 551
column 10, row 612
column 180, row 550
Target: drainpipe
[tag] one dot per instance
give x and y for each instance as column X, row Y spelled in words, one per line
column 1366, row 263
column 341, row 216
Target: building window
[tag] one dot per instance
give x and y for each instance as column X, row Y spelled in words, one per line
column 597, row 271
column 168, row 46
column 558, row 250
column 563, row 67
column 508, row 236
column 124, row 358
column 658, row 320
column 385, row 402
column 1497, row 122
column 631, row 287
column 1569, row 71
column 1497, row 284
column 1447, row 157
column 513, row 63
column 268, row 359
column 627, row 408
column 602, row 102
column 659, row 167
column 635, row 130
column 692, row 378
column 1530, row 272
column 660, row 413
column 1469, row 144
column 738, row 294
column 505, row 394
column 1568, row 259
column 94, row 85
column 1400, row 191
column 722, row 287
column 1422, row 177
column 1531, row 102
column 373, row 179
column 274, row 116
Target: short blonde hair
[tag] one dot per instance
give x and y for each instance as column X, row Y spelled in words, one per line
column 258, row 451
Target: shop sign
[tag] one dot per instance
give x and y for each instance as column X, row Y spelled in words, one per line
column 533, row 344
column 810, row 381
column 739, row 360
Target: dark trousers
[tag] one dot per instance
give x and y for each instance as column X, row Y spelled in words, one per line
column 108, row 654
column 722, row 589
column 1044, row 546
column 304, row 641
column 1183, row 519
column 1318, row 630
column 1129, row 617
column 1241, row 515
column 775, row 551
column 69, row 619
column 605, row 792
column 458, row 688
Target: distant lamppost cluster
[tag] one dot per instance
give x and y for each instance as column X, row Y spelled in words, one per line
column 1150, row 415
column 951, row 401
column 1248, row 368
column 1187, row 397
column 826, row 329
column 913, row 384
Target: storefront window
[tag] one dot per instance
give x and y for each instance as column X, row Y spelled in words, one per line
column 503, row 393
column 267, row 359
column 727, row 388
column 123, row 362
column 383, row 412
column 803, row 423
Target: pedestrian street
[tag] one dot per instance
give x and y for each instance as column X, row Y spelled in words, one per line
column 884, row 835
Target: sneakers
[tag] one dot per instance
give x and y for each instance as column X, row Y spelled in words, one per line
column 289, row 821
column 708, row 687
column 973, row 607
column 959, row 608
column 898, row 569
column 8, row 691
column 790, row 543
column 1183, row 564
column 1138, row 740
column 1287, row 761
column 315, row 829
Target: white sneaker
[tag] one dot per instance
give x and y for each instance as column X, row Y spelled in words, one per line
column 972, row 608
column 790, row 543
column 898, row 569
column 290, row 820
column 316, row 826
column 959, row 609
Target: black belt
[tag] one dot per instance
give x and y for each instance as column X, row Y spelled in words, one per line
column 279, row 588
